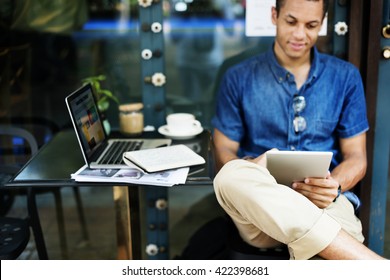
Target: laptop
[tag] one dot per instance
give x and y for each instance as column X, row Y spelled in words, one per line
column 289, row 166
column 99, row 151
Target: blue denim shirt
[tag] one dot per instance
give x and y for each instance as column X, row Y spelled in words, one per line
column 254, row 105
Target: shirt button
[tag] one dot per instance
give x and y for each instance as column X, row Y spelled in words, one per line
column 280, row 79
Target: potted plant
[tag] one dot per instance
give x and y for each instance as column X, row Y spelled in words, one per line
column 103, row 97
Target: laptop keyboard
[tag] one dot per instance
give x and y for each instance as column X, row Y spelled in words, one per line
column 116, row 150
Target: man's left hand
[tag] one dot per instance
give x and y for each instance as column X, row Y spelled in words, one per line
column 321, row 191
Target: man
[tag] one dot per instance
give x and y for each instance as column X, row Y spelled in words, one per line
column 293, row 98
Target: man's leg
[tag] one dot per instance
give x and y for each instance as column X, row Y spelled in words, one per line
column 264, row 211
column 345, row 247
column 261, row 209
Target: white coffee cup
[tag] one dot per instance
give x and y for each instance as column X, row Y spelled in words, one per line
column 182, row 123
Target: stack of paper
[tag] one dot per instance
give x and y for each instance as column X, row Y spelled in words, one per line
column 166, row 178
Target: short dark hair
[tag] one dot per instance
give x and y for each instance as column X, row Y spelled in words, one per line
column 280, row 3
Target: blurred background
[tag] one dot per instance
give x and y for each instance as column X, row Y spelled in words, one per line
column 48, row 47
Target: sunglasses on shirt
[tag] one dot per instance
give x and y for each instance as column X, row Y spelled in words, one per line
column 299, row 122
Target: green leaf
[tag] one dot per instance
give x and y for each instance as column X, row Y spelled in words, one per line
column 109, row 94
column 102, row 95
column 103, row 104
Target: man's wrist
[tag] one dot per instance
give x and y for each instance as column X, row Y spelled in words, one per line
column 248, row 158
column 338, row 193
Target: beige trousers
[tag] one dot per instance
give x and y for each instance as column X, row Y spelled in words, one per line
column 268, row 214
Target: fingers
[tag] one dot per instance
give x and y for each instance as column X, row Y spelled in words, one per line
column 262, row 160
column 321, row 192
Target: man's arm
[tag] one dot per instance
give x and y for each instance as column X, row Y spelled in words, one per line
column 347, row 174
column 225, row 149
column 353, row 167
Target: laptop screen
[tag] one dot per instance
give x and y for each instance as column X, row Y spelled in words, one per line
column 85, row 117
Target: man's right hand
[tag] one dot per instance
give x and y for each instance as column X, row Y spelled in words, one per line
column 261, row 159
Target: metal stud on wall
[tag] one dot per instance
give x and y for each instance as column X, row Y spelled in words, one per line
column 157, row 236
column 152, row 63
column 340, row 29
column 153, row 93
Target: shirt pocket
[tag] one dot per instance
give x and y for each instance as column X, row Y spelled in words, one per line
column 324, row 133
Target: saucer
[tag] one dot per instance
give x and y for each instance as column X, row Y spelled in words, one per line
column 164, row 131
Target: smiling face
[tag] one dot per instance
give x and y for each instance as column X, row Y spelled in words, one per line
column 298, row 24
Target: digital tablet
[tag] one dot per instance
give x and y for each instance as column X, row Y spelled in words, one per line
column 290, row 166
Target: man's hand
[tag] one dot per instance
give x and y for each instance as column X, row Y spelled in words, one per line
column 260, row 160
column 322, row 192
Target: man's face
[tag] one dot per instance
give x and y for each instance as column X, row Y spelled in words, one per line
column 297, row 25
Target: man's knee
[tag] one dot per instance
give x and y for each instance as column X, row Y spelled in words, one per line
column 230, row 174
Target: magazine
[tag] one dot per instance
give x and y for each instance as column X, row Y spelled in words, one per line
column 166, row 178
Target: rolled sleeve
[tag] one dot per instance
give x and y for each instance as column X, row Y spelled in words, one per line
column 316, row 239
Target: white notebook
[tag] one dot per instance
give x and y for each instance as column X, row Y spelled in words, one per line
column 163, row 158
